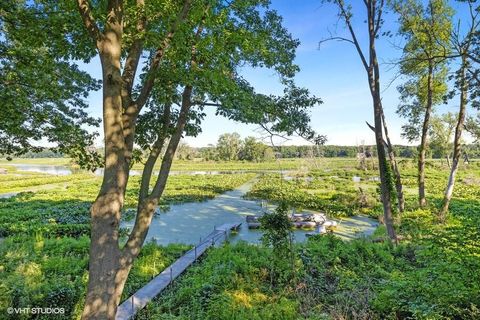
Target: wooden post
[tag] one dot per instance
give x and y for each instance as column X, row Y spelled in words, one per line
column 195, row 253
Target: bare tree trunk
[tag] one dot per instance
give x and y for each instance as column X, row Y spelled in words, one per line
column 374, row 19
column 383, row 169
column 457, row 141
column 448, row 161
column 422, row 149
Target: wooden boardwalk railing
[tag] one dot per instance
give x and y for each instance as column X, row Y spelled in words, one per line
column 139, row 300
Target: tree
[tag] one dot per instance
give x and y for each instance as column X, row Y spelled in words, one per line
column 268, row 154
column 209, row 153
column 253, row 150
column 462, row 48
column 427, row 30
column 374, row 10
column 228, row 146
column 192, row 51
column 472, row 125
column 441, row 132
column 185, row 152
column 42, row 91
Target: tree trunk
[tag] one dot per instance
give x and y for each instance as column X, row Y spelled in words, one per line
column 448, row 161
column 383, row 169
column 109, row 265
column 422, row 149
column 391, row 154
column 373, row 71
column 107, row 271
column 396, row 170
column 457, row 141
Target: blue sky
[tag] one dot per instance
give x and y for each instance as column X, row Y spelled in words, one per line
column 333, row 73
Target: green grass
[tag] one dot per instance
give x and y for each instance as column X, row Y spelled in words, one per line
column 52, row 272
column 334, row 191
column 64, row 209
column 39, row 161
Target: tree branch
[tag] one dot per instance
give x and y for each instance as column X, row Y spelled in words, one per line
column 159, row 54
column 373, row 129
column 154, row 154
column 133, row 57
column 346, row 17
column 89, row 21
column 147, row 206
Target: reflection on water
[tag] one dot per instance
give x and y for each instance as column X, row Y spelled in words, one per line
column 187, row 223
column 57, row 170
column 66, row 170
column 358, row 179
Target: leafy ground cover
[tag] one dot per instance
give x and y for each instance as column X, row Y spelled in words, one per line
column 431, row 274
column 51, row 272
column 347, row 190
column 45, row 238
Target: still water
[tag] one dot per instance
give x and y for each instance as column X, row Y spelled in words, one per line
column 66, row 170
column 187, row 223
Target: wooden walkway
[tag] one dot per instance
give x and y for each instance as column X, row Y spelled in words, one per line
column 138, row 300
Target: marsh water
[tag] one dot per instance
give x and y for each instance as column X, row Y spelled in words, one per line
column 187, row 223
column 67, row 170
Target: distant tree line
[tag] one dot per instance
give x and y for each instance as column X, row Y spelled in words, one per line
column 45, row 153
column 231, row 146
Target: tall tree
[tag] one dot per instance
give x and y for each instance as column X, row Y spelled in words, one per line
column 472, row 125
column 228, row 146
column 441, row 133
column 253, row 150
column 427, row 30
column 373, row 14
column 162, row 63
column 463, row 44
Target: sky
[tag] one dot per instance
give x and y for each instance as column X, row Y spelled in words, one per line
column 332, row 72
